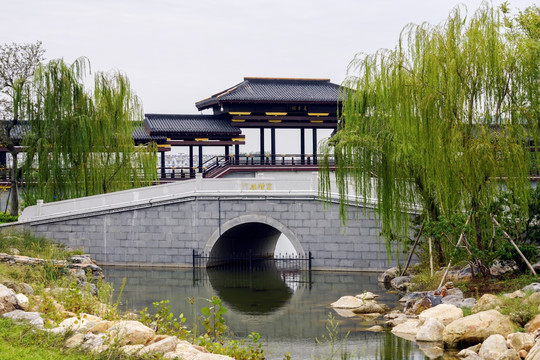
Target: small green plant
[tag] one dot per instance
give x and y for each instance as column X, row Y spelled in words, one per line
column 213, row 320
column 336, row 346
column 239, row 349
column 164, row 322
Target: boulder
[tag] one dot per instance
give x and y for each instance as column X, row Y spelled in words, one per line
column 347, row 302
column 431, row 330
column 476, row 328
column 534, row 353
column 503, row 267
column 22, row 301
column 444, row 313
column 129, row 332
column 161, row 347
column 101, row 326
column 370, row 307
column 388, row 275
column 409, row 327
column 520, row 341
column 533, row 324
column 74, row 341
column 394, row 321
column 367, row 296
column 428, row 301
column 93, row 341
column 515, row 294
column 23, row 288
column 454, row 292
column 415, row 295
column 468, row 303
column 493, row 347
column 32, row 318
column 509, row 354
column 401, row 283
column 533, row 287
column 131, row 349
column 81, row 323
column 8, row 300
column 487, row 302
column 466, row 352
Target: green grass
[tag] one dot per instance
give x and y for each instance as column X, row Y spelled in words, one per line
column 22, row 342
column 34, row 246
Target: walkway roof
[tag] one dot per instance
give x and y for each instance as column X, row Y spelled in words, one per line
column 172, row 125
column 276, row 90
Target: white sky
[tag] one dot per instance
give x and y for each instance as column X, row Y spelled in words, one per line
column 179, row 52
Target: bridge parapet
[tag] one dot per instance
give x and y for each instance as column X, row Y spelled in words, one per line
column 278, row 184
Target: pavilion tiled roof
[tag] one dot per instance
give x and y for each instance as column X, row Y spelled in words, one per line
column 189, row 125
column 139, row 133
column 140, row 136
column 276, row 90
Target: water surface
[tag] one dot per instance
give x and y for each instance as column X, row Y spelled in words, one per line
column 289, row 309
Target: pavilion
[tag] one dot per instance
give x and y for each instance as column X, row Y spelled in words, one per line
column 266, row 104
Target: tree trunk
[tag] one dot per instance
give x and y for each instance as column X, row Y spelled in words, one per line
column 14, row 194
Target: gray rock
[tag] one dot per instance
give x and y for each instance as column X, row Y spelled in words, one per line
column 33, row 318
column 431, row 330
column 388, row 275
column 509, row 354
column 8, row 300
column 415, row 295
column 468, row 303
column 401, row 283
column 493, row 347
column 92, row 341
column 534, row 287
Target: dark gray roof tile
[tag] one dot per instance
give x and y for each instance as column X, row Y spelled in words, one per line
column 276, row 90
column 189, row 125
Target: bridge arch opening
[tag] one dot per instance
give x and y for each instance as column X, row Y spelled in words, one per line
column 255, row 234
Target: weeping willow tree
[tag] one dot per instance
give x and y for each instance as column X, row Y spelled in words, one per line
column 79, row 142
column 442, row 124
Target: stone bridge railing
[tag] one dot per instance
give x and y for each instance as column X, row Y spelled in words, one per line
column 278, row 185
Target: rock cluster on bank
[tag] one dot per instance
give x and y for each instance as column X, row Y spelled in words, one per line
column 90, row 332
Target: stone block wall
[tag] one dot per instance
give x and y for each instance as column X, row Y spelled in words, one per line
column 165, row 234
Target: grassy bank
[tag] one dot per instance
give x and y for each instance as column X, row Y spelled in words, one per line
column 58, row 293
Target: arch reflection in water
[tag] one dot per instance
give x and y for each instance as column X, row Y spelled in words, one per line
column 263, row 290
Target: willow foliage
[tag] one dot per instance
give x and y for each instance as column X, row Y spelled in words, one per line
column 438, row 121
column 79, row 142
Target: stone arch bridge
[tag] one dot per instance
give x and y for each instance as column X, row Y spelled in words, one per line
column 162, row 225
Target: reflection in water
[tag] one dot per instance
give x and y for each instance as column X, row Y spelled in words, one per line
column 260, row 291
column 285, row 309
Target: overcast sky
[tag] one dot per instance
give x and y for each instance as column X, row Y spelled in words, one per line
column 178, row 52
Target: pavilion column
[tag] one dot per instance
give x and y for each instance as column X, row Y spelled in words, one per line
column 163, row 164
column 302, row 146
column 273, row 145
column 236, row 154
column 226, row 153
column 3, row 160
column 262, row 145
column 191, row 175
column 200, row 159
column 314, row 145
